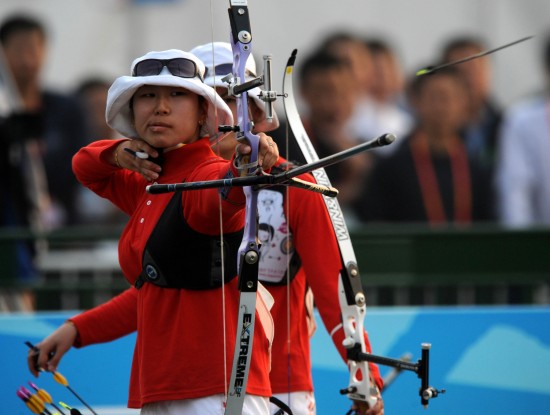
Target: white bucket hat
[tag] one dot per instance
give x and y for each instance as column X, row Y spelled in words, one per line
column 119, row 114
column 220, row 55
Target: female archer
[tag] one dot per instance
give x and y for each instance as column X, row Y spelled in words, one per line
column 168, row 250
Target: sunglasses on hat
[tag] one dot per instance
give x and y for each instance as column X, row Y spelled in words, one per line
column 182, row 67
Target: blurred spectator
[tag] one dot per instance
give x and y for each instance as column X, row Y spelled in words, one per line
column 346, row 48
column 385, row 112
column 93, row 209
column 54, row 135
column 388, row 81
column 39, row 133
column 523, row 171
column 350, row 47
column 480, row 132
column 92, row 93
column 430, row 177
column 328, row 90
column 377, row 84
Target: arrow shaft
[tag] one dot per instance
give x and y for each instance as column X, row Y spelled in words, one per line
column 81, row 400
column 476, row 56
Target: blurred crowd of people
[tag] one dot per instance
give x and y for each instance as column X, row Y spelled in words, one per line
column 460, row 157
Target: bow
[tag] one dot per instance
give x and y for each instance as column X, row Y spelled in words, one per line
column 248, row 254
column 351, row 296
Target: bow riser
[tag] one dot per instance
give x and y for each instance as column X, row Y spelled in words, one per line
column 249, row 254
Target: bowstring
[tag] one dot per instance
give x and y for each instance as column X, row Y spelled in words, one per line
column 288, row 313
column 220, row 219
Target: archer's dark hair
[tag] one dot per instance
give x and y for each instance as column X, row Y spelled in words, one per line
column 20, row 23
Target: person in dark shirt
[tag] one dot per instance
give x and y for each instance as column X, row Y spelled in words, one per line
column 430, row 178
column 44, row 146
column 328, row 89
column 484, row 114
column 40, row 130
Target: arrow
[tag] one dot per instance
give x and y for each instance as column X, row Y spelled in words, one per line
column 45, row 397
column 59, row 378
column 32, row 402
column 432, row 69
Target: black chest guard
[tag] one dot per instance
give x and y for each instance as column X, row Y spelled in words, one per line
column 176, row 256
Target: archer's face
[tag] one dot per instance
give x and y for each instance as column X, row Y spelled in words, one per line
column 167, row 116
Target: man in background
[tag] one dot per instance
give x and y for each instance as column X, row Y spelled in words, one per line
column 39, row 133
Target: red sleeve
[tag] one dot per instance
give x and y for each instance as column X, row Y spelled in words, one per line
column 318, row 248
column 201, row 209
column 92, row 169
column 109, row 321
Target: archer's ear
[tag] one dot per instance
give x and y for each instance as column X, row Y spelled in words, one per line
column 204, row 107
column 131, row 106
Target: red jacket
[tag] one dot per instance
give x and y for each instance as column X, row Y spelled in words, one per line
column 179, row 348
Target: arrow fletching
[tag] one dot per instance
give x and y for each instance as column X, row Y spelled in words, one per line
column 59, row 378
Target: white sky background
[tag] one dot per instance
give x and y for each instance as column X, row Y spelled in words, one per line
column 89, row 37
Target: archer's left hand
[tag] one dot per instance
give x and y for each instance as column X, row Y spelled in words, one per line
column 362, row 408
column 268, row 152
